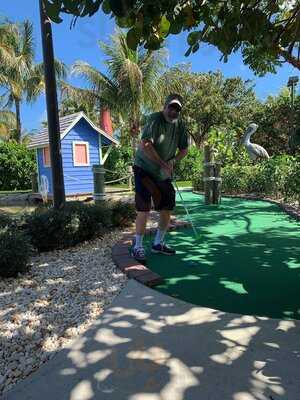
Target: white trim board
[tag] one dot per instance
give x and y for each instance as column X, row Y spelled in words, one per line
column 71, row 125
column 77, row 119
column 75, row 164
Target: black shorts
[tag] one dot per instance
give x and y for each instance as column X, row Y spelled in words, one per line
column 147, row 187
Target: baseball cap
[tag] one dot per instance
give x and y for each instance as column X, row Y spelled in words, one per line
column 174, row 99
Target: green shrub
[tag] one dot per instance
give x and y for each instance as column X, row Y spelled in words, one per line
column 235, row 179
column 278, row 176
column 273, row 174
column 56, row 229
column 120, row 158
column 15, row 251
column 291, row 189
column 101, row 214
column 5, row 221
column 51, row 229
column 123, row 214
column 17, row 163
column 191, row 165
column 197, row 182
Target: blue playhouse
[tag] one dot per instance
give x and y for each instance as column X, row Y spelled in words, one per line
column 83, row 145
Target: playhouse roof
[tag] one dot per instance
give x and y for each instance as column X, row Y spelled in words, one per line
column 66, row 123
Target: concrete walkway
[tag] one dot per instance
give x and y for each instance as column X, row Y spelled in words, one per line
column 148, row 346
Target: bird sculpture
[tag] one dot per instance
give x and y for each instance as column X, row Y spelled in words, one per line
column 255, row 151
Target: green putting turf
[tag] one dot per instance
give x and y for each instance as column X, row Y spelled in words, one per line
column 246, row 259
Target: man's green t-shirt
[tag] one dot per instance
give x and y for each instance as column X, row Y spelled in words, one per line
column 166, row 138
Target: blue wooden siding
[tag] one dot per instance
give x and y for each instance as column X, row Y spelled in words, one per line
column 44, row 170
column 79, row 179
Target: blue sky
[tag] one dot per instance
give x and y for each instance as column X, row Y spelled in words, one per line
column 81, row 43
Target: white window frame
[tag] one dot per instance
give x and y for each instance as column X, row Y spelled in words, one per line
column 76, row 164
column 44, row 161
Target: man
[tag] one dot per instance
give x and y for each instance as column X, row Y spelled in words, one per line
column 164, row 142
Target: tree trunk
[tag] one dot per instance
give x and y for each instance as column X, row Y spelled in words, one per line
column 52, row 111
column 105, row 120
column 134, row 132
column 289, row 58
column 18, row 121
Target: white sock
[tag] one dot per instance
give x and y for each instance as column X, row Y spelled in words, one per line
column 138, row 241
column 159, row 237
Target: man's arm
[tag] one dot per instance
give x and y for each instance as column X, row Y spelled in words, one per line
column 180, row 154
column 148, row 148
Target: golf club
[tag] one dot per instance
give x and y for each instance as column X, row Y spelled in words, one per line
column 186, row 209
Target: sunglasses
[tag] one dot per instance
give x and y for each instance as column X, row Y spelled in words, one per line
column 174, row 107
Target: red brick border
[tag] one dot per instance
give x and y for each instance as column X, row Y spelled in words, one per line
column 131, row 267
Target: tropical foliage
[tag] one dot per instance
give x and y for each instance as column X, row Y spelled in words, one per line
column 130, row 87
column 266, row 32
column 21, row 79
column 17, row 163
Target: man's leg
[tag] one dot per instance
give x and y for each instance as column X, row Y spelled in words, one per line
column 163, row 224
column 143, row 205
column 140, row 227
column 166, row 205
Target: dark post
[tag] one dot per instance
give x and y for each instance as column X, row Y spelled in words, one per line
column 217, row 184
column 99, row 183
column 34, row 182
column 130, row 178
column 208, row 174
column 292, row 83
column 52, row 111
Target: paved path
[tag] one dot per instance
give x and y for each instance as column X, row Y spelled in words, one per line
column 147, row 346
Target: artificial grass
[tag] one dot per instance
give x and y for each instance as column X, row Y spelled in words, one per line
column 246, row 260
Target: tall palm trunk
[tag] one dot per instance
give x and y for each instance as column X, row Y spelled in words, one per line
column 18, row 121
column 135, row 127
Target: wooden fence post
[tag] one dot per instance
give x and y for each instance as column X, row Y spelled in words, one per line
column 208, row 174
column 99, row 183
column 130, row 178
column 217, row 184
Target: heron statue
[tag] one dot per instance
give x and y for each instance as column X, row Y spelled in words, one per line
column 255, row 151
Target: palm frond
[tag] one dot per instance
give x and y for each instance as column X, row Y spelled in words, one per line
column 7, row 124
column 92, row 76
column 77, row 94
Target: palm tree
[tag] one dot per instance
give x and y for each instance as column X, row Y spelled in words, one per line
column 131, row 85
column 7, row 125
column 20, row 77
column 7, row 57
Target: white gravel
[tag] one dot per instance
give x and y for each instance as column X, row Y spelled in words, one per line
column 58, row 299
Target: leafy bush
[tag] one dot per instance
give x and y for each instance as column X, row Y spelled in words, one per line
column 227, row 147
column 17, row 163
column 235, row 178
column 56, row 229
column 291, row 188
column 5, row 221
column 278, row 176
column 118, row 161
column 101, row 214
column 123, row 214
column 191, row 165
column 15, row 251
column 197, row 182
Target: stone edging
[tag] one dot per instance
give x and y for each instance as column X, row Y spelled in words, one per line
column 131, row 267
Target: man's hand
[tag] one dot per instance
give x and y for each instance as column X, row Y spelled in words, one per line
column 135, row 129
column 168, row 168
